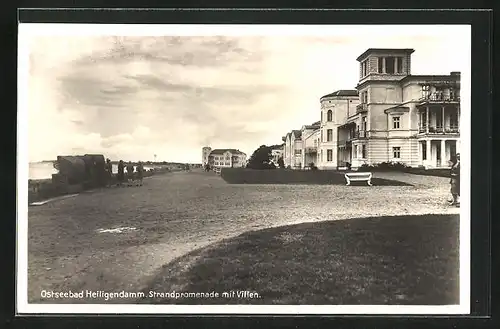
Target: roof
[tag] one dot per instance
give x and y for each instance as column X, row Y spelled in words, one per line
column 297, row 133
column 222, row 151
column 453, row 76
column 384, row 50
column 342, row 92
column 276, row 147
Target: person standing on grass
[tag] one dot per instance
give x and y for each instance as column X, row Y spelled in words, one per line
column 109, row 172
column 140, row 172
column 121, row 173
column 455, row 180
column 130, row 173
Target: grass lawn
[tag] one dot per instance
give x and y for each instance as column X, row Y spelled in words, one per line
column 385, row 260
column 288, row 176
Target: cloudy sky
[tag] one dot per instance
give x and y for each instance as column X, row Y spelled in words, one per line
column 130, row 97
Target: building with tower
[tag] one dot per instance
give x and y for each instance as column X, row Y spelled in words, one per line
column 412, row 119
column 391, row 116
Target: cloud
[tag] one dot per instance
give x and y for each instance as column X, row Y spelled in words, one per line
column 132, row 97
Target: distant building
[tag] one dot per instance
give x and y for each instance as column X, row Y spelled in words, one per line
column 293, row 149
column 277, row 153
column 226, row 158
column 310, row 144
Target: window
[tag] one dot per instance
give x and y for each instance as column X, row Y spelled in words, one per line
column 322, row 135
column 329, row 115
column 321, row 155
column 390, row 65
column 396, row 152
column 424, row 151
column 380, row 65
column 298, row 152
column 426, row 91
column 364, row 97
column 329, row 135
column 321, row 116
column 329, row 155
column 363, row 151
column 364, row 68
column 454, row 120
column 395, row 122
column 355, row 151
column 227, row 157
column 227, row 164
column 363, row 124
column 400, row 64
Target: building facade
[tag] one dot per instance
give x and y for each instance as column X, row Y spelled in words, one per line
column 310, row 145
column 335, row 109
column 227, row 158
column 411, row 119
column 293, row 149
column 277, row 152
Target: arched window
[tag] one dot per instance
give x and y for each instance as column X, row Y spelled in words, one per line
column 329, row 115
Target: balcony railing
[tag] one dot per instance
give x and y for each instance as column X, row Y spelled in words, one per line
column 361, row 108
column 311, row 149
column 359, row 134
column 439, row 97
column 439, row 130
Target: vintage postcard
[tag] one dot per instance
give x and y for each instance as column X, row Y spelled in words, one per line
column 243, row 169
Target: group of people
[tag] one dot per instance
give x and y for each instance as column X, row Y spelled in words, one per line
column 127, row 174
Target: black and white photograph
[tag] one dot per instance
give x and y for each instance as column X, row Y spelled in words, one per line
column 243, row 169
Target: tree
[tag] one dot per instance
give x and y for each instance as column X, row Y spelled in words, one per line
column 281, row 163
column 261, row 159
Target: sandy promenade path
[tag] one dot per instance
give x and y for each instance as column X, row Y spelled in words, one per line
column 117, row 239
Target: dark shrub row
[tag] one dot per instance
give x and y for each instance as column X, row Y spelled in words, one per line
column 288, row 176
column 401, row 167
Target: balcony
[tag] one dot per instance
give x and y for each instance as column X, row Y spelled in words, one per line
column 439, row 98
column 437, row 130
column 311, row 150
column 361, row 108
column 359, row 134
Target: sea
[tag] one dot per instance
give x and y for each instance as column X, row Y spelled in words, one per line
column 44, row 170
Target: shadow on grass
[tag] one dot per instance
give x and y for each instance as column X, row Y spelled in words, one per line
column 288, row 176
column 405, row 260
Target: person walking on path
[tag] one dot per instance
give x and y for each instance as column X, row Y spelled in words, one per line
column 121, row 173
column 455, row 180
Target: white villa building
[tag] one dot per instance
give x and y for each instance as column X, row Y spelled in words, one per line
column 277, row 153
column 392, row 116
column 223, row 158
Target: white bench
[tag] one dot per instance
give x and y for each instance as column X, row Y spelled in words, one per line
column 358, row 177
